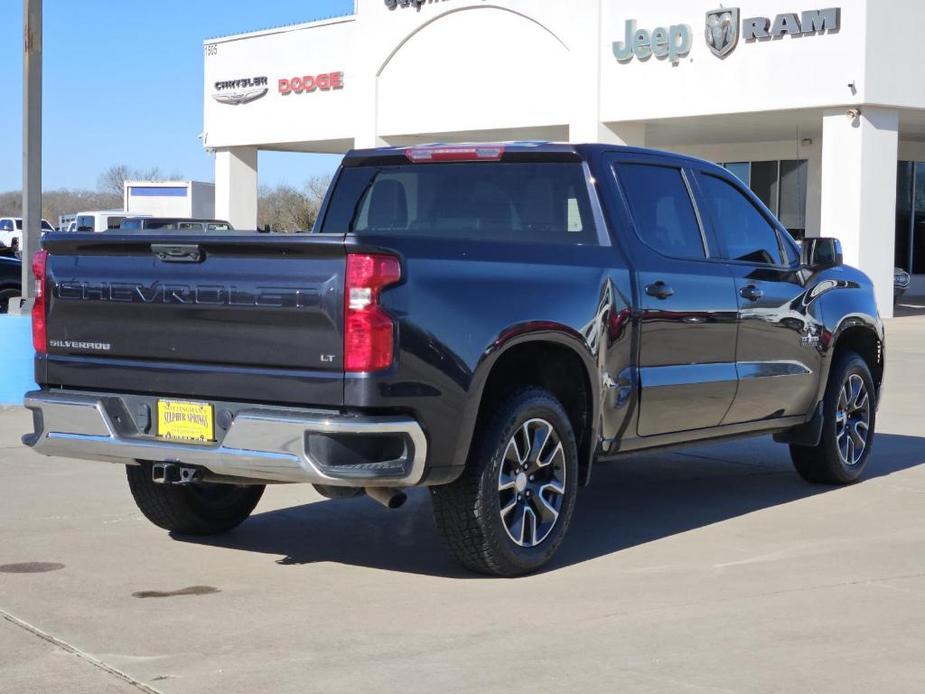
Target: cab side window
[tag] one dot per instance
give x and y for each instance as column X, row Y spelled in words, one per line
column 662, row 209
column 746, row 233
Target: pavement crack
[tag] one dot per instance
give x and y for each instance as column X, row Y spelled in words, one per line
column 73, row 650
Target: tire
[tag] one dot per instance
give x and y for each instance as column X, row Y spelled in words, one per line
column 836, row 460
column 506, row 470
column 194, row 509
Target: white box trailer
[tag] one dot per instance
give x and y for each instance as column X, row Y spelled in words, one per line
column 170, row 199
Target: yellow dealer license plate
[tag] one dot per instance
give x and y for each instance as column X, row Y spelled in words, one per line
column 185, row 421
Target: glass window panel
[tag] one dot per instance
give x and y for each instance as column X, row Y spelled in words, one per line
column 904, row 180
column 764, row 183
column 662, row 210
column 741, row 170
column 918, row 231
column 531, row 202
column 793, row 184
column 747, row 234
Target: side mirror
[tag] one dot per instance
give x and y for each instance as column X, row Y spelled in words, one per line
column 823, row 251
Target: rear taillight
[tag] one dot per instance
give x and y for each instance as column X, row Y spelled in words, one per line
column 39, row 331
column 369, row 332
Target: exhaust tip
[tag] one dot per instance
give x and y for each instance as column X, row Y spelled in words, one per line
column 388, row 497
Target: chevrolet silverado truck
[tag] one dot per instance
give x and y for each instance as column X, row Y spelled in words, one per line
column 489, row 322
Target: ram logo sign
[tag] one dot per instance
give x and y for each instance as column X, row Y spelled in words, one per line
column 723, row 31
column 724, row 27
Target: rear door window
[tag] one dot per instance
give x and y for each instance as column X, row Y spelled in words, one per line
column 662, row 209
column 530, row 202
column 746, row 232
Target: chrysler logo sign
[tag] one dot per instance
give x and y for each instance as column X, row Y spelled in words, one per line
column 241, row 91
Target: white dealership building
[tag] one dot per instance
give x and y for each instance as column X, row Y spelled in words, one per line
column 820, row 108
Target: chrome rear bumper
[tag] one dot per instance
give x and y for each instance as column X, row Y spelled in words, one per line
column 261, row 443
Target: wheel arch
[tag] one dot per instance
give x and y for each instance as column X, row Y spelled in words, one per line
column 862, row 335
column 552, row 357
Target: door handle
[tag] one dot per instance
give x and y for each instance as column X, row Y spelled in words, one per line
column 659, row 290
column 751, row 292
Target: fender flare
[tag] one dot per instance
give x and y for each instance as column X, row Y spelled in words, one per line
column 831, row 341
column 516, row 336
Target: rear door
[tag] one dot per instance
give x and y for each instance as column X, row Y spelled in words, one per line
column 686, row 299
column 777, row 355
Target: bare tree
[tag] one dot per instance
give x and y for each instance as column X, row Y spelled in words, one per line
column 113, row 179
column 59, row 202
column 288, row 209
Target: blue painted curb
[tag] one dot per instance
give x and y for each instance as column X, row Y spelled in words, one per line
column 16, row 359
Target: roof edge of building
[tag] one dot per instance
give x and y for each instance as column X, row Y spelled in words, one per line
column 281, row 28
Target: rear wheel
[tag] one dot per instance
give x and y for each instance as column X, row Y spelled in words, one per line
column 850, row 414
column 191, row 509
column 509, row 511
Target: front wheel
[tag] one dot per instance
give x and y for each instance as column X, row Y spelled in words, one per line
column 192, row 509
column 509, row 511
column 849, row 419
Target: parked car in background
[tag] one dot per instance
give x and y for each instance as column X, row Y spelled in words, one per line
column 11, row 234
column 10, row 281
column 173, row 224
column 901, row 283
column 98, row 220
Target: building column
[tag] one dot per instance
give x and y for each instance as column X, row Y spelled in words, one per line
column 859, row 161
column 236, row 186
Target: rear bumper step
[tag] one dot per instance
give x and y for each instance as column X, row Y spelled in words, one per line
column 260, row 443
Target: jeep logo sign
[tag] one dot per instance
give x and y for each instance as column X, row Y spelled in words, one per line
column 673, row 42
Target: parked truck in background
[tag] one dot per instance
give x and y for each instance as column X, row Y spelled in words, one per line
column 490, row 322
column 11, row 235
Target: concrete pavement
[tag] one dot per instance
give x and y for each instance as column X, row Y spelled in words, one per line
column 711, row 569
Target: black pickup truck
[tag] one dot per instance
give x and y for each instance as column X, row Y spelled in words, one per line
column 488, row 321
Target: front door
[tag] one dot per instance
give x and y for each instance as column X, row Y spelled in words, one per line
column 687, row 302
column 777, row 355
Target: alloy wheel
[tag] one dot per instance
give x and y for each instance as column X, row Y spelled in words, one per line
column 531, row 483
column 852, row 420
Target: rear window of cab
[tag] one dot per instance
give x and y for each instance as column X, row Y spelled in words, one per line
column 528, row 202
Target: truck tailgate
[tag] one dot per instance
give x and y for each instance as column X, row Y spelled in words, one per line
column 247, row 307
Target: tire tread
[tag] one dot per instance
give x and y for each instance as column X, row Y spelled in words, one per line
column 459, row 508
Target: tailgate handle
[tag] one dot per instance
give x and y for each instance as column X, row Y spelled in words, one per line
column 171, row 253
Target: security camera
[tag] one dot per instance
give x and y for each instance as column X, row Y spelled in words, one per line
column 854, row 113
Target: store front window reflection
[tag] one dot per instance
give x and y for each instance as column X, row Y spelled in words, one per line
column 781, row 186
column 910, row 217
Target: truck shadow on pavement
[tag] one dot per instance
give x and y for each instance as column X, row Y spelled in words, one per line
column 631, row 502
